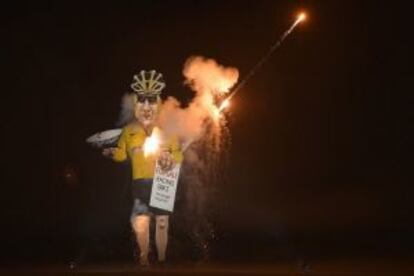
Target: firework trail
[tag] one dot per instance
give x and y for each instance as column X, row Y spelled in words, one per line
column 260, row 63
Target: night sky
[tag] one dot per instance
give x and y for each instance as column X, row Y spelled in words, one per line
column 320, row 162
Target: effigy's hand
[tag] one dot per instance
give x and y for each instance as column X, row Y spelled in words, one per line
column 108, row 152
column 136, row 150
column 166, row 161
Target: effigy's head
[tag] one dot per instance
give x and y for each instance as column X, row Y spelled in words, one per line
column 147, row 87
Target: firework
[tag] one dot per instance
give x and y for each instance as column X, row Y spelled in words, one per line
column 300, row 18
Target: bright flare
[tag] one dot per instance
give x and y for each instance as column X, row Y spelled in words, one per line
column 152, row 143
column 224, row 104
column 302, row 17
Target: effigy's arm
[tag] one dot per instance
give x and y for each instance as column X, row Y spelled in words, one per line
column 120, row 153
column 104, row 138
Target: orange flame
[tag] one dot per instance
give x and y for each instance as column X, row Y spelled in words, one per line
column 152, row 143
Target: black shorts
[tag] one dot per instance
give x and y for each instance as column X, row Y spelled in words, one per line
column 141, row 193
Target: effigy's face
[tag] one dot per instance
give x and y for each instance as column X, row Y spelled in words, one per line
column 146, row 110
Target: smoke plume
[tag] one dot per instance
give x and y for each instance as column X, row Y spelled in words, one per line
column 127, row 109
column 208, row 80
column 206, row 136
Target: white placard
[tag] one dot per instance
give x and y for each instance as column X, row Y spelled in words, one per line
column 164, row 187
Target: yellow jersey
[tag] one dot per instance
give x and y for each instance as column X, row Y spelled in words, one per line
column 133, row 137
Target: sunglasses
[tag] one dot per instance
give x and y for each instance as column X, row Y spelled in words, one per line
column 150, row 99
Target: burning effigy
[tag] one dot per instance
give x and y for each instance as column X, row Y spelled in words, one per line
column 144, row 144
column 157, row 135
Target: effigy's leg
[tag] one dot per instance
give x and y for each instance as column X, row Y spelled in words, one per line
column 161, row 236
column 140, row 224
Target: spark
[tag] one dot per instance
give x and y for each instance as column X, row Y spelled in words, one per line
column 302, row 17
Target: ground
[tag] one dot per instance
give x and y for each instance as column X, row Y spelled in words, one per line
column 343, row 267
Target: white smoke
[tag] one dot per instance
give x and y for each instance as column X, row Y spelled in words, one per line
column 127, row 109
column 206, row 135
column 207, row 79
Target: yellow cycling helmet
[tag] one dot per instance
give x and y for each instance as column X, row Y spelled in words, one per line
column 148, row 83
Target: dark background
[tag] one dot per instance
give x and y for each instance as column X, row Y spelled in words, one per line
column 320, row 158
